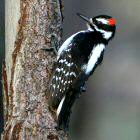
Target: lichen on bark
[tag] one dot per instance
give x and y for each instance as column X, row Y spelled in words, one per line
column 28, row 116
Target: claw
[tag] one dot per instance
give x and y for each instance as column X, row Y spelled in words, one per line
column 83, row 89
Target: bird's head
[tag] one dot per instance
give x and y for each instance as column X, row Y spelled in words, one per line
column 102, row 23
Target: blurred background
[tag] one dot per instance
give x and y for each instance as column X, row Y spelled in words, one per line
column 2, row 42
column 110, row 109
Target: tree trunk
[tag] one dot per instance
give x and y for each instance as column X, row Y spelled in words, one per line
column 31, row 26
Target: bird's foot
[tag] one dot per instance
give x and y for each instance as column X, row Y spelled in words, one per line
column 83, row 89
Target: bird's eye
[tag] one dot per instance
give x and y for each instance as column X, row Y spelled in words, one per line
column 99, row 22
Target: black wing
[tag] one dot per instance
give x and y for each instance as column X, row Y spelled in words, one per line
column 65, row 77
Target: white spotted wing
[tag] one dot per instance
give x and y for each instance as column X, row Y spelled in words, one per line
column 64, row 74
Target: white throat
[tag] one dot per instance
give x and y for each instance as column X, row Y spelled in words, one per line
column 89, row 28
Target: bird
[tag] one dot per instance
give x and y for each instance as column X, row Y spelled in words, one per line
column 77, row 59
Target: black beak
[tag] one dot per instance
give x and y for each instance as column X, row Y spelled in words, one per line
column 83, row 17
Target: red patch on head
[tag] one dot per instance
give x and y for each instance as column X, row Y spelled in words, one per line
column 112, row 22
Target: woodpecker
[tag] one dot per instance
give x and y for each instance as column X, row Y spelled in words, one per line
column 77, row 59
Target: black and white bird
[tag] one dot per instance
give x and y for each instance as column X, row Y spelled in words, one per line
column 77, row 59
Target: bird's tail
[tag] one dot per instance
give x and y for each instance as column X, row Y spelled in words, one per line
column 64, row 113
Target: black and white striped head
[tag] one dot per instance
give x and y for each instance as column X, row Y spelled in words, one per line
column 102, row 23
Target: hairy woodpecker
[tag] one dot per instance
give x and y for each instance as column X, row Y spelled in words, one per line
column 77, row 59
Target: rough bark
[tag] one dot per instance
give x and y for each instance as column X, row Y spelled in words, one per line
column 31, row 25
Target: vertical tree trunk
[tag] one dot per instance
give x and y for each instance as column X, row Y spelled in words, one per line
column 31, row 25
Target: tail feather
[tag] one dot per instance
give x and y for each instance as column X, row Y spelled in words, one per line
column 64, row 114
